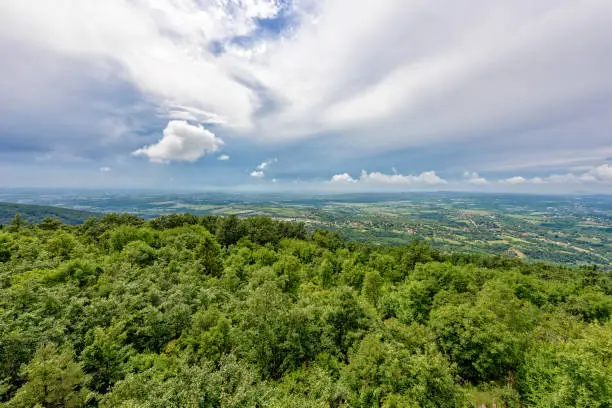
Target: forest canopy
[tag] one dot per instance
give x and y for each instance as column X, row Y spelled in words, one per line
column 37, row 213
column 206, row 311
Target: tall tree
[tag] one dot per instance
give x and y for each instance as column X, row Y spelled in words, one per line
column 54, row 379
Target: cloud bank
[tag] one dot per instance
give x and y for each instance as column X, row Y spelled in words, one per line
column 601, row 174
column 378, row 179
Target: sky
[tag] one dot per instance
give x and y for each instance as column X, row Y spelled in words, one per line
column 330, row 95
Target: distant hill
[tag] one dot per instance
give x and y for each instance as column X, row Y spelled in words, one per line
column 37, row 213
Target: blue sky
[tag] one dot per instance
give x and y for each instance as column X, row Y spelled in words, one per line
column 336, row 95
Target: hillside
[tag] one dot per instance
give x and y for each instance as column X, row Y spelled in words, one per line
column 206, row 311
column 37, row 213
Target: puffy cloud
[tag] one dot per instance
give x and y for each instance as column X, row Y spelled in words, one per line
column 223, row 157
column 342, row 178
column 378, row 179
column 181, row 142
column 105, row 169
column 474, row 178
column 258, row 174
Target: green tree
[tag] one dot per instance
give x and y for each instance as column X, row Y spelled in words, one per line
column 105, row 356
column 229, row 230
column 208, row 253
column 261, row 230
column 54, row 379
column 5, row 247
column 50, row 224
column 372, row 285
column 16, row 223
column 174, row 221
column 61, row 245
column 387, row 374
column 326, row 273
column 570, row 373
column 486, row 339
column 139, row 253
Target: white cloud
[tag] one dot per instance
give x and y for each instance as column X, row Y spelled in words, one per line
column 516, row 180
column 338, row 79
column 602, row 173
column 105, row 169
column 568, row 178
column 378, row 179
column 263, row 165
column 223, row 157
column 259, row 170
column 342, row 178
column 474, row 178
column 594, row 174
column 181, row 142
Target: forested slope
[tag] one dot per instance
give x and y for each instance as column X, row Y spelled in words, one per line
column 188, row 311
column 37, row 213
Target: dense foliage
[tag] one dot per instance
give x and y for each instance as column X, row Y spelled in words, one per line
column 187, row 311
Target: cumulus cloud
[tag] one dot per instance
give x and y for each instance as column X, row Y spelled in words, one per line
column 374, row 179
column 474, row 178
column 342, row 178
column 223, row 157
column 105, row 169
column 258, row 174
column 181, row 141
